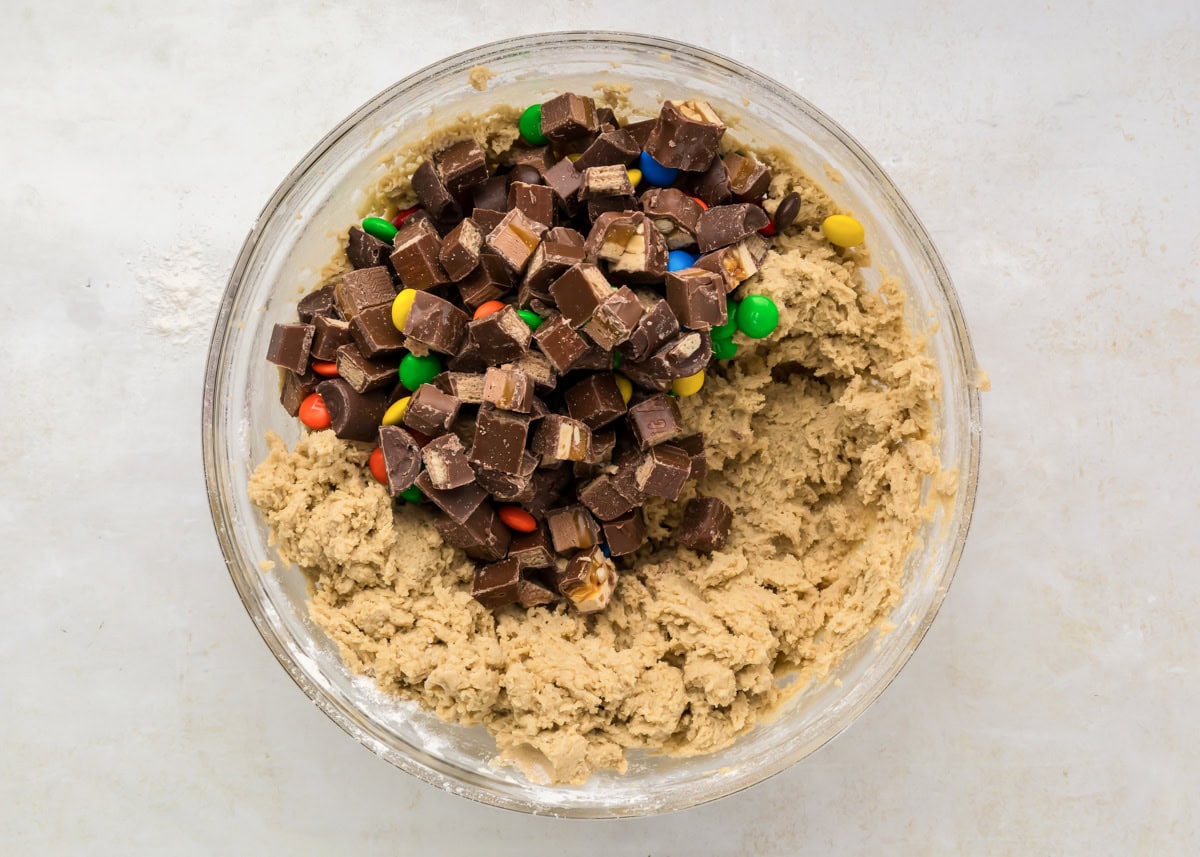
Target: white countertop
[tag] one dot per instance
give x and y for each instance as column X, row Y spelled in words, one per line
column 1051, row 154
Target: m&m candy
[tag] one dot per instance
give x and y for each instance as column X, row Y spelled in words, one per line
column 655, row 173
column 415, row 371
column 757, row 316
column 313, row 412
column 843, row 230
column 530, row 125
column 379, row 228
column 677, row 260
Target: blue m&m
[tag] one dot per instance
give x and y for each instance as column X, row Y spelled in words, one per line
column 655, row 173
column 677, row 260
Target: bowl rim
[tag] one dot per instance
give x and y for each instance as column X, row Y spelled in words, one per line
column 967, row 487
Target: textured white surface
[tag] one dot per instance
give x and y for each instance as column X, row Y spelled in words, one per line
column 1049, row 148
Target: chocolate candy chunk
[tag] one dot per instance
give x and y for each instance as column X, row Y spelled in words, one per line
column 446, row 462
column 595, row 359
column 531, row 594
column 562, row 439
column 624, row 476
column 489, row 219
column 459, row 254
column 560, row 343
column 497, row 584
column 366, row 251
column 605, row 181
column 417, row 223
column 358, row 290
column 686, row 354
column 491, row 279
column 697, row 297
column 459, row 503
column 564, row 235
column 467, row 387
column 748, row 179
column 291, row 345
column 615, row 319
column 735, row 264
column 417, row 261
column 461, row 166
column 648, row 374
column 634, row 249
column 550, row 261
column 401, row 458
column 674, row 214
column 655, row 420
column 435, row 323
column 491, row 194
column 686, row 136
column 657, row 325
column 565, row 181
column 706, row 523
column 596, row 400
column 712, row 185
column 500, row 337
column 361, row 372
column 430, row 411
column 318, row 303
column 612, row 147
column 434, row 196
column 525, row 174
column 604, row 500
column 588, row 581
column 579, row 291
column 787, row 211
column 352, row 415
column 693, row 445
column 295, row 389
column 723, row 225
column 606, row 120
column 482, row 535
column 467, row 359
column 663, row 471
column 603, row 444
column 625, row 534
column 640, row 131
column 538, row 157
column 508, row 388
column 549, row 487
column 532, row 550
column 374, row 333
column 507, row 487
column 538, row 368
column 572, row 528
column 330, row 335
column 605, row 204
column 515, row 239
column 535, row 201
column 499, row 439
column 568, row 117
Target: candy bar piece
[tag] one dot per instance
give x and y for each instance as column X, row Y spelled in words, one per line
column 435, row 323
column 561, row 438
column 706, row 523
column 596, row 400
column 291, row 345
column 507, row 487
column 467, row 359
column 564, row 235
column 497, row 584
column 364, row 288
column 295, row 389
column 686, row 354
column 640, row 131
column 366, row 251
column 657, row 325
column 459, row 254
column 712, row 186
column 568, row 117
column 416, row 223
column 611, row 147
column 489, row 218
column 417, row 261
column 538, row 368
column 604, row 500
column 605, row 181
column 318, row 303
column 549, row 261
column 624, row 476
column 483, row 536
column 686, row 136
column 459, row 503
column 579, row 291
column 663, row 471
column 595, row 359
column 588, row 581
column 748, row 179
column 467, row 387
column 632, row 246
column 461, row 166
column 361, row 372
column 433, row 194
column 566, row 182
column 606, row 120
column 536, row 201
column 508, row 388
column 560, row 343
column 532, row 550
column 329, row 335
column 625, row 534
column 491, row 194
column 515, row 239
column 430, row 411
column 549, row 488
column 446, row 462
column 352, row 415
column 648, row 374
column 374, row 333
column 693, row 445
column 532, row 594
column 723, row 225
column 401, row 458
column 615, row 319
column 655, row 420
column 735, row 264
column 572, row 528
column 674, row 214
column 539, row 157
column 500, row 337
column 603, row 444
column 499, row 439
column 491, row 279
column 604, row 204
column 697, row 297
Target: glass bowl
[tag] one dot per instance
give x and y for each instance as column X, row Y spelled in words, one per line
column 296, row 235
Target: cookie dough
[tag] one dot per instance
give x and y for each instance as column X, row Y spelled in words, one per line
column 819, row 439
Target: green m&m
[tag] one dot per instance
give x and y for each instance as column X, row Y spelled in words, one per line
column 530, row 126
column 726, row 330
column 757, row 316
column 415, row 371
column 379, row 228
column 724, row 349
column 411, row 494
column 531, row 318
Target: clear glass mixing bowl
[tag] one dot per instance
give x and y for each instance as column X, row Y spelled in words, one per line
column 295, row 235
